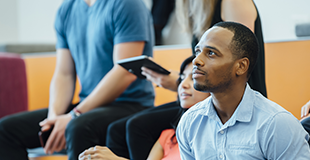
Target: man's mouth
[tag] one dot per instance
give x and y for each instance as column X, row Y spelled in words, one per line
column 197, row 73
column 197, row 70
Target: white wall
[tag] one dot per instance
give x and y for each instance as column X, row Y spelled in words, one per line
column 279, row 17
column 8, row 21
column 28, row 21
column 36, row 20
column 32, row 21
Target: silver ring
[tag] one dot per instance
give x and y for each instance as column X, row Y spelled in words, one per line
column 88, row 157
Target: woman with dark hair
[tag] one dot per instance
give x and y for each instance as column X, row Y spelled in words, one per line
column 133, row 137
column 166, row 147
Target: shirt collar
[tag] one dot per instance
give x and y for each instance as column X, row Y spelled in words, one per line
column 243, row 112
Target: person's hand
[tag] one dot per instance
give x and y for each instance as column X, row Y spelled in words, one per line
column 99, row 153
column 165, row 81
column 56, row 141
column 305, row 111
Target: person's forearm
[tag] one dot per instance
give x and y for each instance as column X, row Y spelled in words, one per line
column 109, row 88
column 61, row 94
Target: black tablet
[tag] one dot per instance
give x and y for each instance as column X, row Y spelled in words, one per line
column 134, row 65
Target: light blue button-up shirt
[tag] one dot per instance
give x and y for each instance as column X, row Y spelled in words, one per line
column 258, row 129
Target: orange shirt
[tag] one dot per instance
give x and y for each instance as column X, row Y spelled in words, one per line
column 171, row 149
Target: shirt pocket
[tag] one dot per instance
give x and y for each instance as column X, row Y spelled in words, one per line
column 205, row 151
column 242, row 149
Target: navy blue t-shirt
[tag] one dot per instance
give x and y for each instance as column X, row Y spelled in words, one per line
column 90, row 34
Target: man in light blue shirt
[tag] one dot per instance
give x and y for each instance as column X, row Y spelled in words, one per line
column 235, row 122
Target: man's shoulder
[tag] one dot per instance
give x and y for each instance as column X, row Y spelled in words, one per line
column 268, row 107
column 198, row 108
column 188, row 121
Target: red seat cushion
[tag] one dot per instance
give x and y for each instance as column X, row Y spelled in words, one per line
column 13, row 84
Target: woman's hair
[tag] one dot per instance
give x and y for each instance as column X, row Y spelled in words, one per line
column 183, row 66
column 177, row 117
column 195, row 16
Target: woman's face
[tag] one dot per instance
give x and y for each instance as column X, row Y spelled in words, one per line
column 187, row 94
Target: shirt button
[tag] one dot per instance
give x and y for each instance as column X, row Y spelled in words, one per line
column 221, row 156
column 222, row 132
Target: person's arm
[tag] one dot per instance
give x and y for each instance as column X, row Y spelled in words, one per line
column 99, row 153
column 116, row 81
column 284, row 139
column 62, row 85
column 241, row 11
column 157, row 152
column 104, row 153
column 165, row 81
column 61, row 93
column 108, row 89
column 305, row 110
column 182, row 139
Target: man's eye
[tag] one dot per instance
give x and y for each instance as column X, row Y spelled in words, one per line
column 182, row 76
column 211, row 53
column 196, row 53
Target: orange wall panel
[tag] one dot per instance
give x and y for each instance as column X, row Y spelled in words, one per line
column 288, row 74
column 50, row 157
column 39, row 74
column 40, row 70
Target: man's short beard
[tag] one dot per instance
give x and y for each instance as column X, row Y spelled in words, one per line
column 208, row 87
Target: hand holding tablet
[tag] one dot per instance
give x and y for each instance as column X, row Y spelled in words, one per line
column 134, row 65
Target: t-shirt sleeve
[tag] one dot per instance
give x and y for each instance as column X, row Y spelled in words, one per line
column 131, row 21
column 285, row 139
column 59, row 28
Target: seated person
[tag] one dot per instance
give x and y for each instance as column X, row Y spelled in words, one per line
column 235, row 122
column 305, row 120
column 91, row 36
column 126, row 136
column 166, row 146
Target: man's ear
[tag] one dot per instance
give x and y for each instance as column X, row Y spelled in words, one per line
column 242, row 66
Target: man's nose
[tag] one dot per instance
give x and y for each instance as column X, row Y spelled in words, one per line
column 198, row 61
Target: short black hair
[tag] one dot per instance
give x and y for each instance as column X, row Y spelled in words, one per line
column 243, row 44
